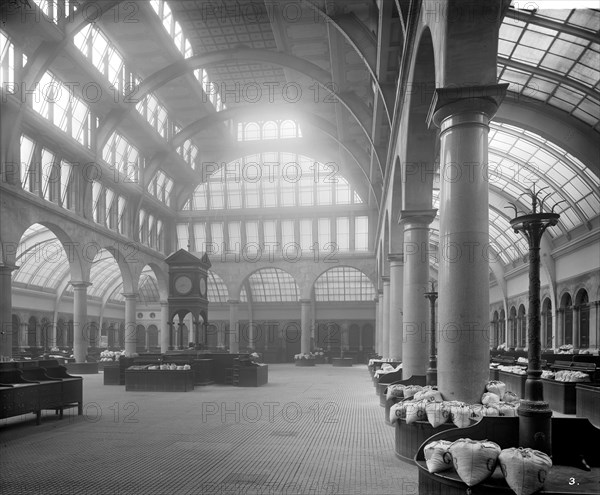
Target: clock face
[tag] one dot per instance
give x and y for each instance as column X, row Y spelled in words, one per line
column 203, row 286
column 183, row 284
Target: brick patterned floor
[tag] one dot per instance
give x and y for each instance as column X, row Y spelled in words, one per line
column 310, row 431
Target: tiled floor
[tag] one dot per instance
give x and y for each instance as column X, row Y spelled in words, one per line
column 310, row 431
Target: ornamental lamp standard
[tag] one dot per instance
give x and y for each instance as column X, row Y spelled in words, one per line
column 431, row 373
column 535, row 423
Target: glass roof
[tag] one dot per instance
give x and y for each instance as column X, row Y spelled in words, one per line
column 216, row 290
column 41, row 259
column 271, row 285
column 344, row 284
column 552, row 56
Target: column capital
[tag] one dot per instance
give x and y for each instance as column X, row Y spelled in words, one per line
column 233, row 301
column 450, row 101
column 385, row 279
column 164, row 304
column 129, row 296
column 375, row 299
column 304, row 301
column 423, row 217
column 396, row 258
column 380, row 292
column 7, row 267
column 79, row 284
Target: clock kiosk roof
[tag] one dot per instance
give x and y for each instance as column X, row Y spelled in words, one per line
column 183, row 257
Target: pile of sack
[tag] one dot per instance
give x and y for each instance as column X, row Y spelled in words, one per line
column 571, row 376
column 525, row 470
column 426, row 404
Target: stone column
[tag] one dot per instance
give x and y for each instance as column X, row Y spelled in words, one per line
column 377, row 322
column 81, row 338
column 385, row 331
column 560, row 328
column 164, row 326
column 305, row 326
column 130, row 323
column 6, row 312
column 380, row 323
column 396, row 303
column 415, row 352
column 576, row 328
column 234, row 326
column 594, row 324
column 463, row 116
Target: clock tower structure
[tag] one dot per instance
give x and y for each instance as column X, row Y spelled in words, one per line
column 187, row 294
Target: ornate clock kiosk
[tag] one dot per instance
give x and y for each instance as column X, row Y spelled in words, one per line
column 187, row 294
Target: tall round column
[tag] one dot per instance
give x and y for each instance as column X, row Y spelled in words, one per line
column 80, row 324
column 234, row 324
column 385, row 331
column 305, row 326
column 396, row 304
column 377, row 322
column 560, row 328
column 415, row 352
column 164, row 326
column 6, row 327
column 130, row 323
column 463, row 116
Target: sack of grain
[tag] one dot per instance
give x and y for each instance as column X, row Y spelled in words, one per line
column 496, row 387
column 437, row 456
column 474, row 460
column 437, row 413
column 510, row 397
column 416, row 411
column 525, row 470
column 411, row 390
column 395, row 391
column 461, row 416
column 490, row 399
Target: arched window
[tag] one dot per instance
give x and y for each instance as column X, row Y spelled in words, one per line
column 32, row 331
column 288, row 129
column 269, row 130
column 252, row 132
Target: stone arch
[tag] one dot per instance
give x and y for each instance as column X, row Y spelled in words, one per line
column 566, row 308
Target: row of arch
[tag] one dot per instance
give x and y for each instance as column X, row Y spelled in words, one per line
column 572, row 325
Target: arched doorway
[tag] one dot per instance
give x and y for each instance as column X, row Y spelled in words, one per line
column 152, row 337
column 512, row 328
column 140, row 345
column 522, row 328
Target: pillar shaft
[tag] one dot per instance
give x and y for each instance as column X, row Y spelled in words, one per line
column 80, row 321
column 164, row 326
column 305, row 326
column 385, row 331
column 377, row 322
column 7, row 336
column 130, row 323
column 234, row 324
column 415, row 352
column 396, row 304
column 463, row 118
column 560, row 327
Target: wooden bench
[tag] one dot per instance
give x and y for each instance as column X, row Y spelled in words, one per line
column 71, row 386
column 566, row 458
column 18, row 396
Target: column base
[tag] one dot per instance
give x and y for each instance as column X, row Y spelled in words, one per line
column 431, row 377
column 535, row 425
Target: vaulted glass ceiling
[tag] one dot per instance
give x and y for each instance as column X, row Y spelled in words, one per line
column 552, row 56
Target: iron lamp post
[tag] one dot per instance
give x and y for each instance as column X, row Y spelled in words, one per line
column 534, row 413
column 431, row 373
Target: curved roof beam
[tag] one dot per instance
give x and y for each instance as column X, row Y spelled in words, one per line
column 524, row 16
column 367, row 51
column 548, row 74
column 570, row 133
column 153, row 82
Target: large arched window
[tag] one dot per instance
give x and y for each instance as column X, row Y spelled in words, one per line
column 252, row 132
